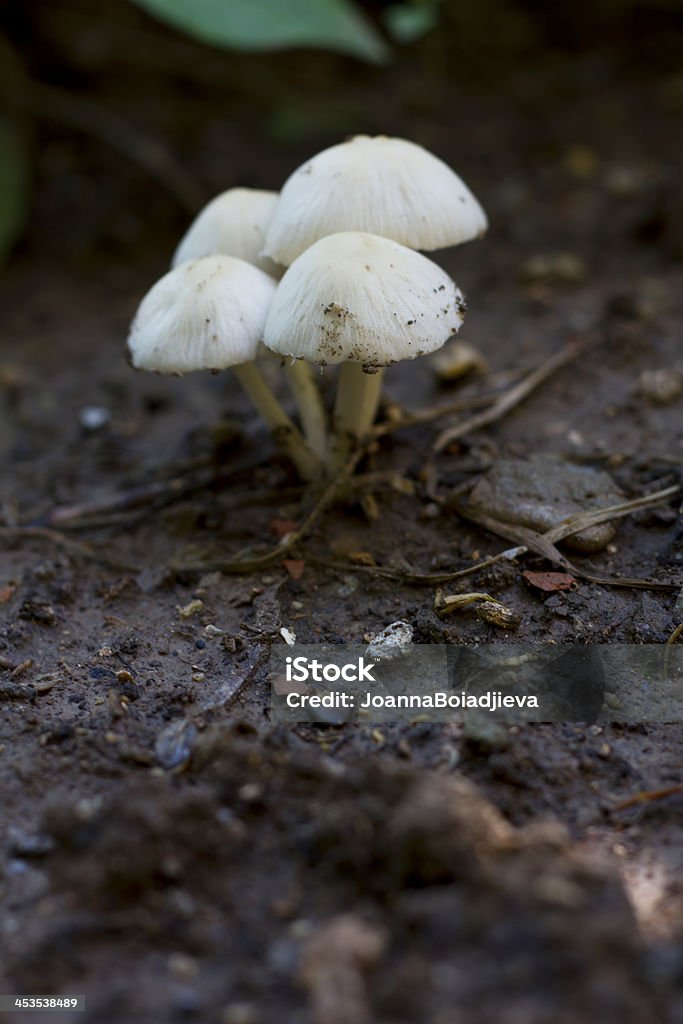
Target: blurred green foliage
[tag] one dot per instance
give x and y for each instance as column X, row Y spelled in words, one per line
column 407, row 22
column 340, row 26
column 337, row 25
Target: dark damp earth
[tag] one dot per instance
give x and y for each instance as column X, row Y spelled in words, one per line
column 164, row 849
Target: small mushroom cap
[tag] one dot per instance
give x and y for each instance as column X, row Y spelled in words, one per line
column 356, row 297
column 233, row 223
column 207, row 314
column 382, row 185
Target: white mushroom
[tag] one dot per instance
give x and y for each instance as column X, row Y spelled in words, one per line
column 235, row 223
column 364, row 301
column 386, row 186
column 209, row 314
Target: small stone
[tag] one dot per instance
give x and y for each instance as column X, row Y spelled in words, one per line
column 348, row 586
column 250, row 792
column 175, row 743
column 393, row 642
column 544, row 489
column 212, row 630
column 456, row 359
column 94, row 417
column 661, row 386
column 182, row 967
column 28, row 844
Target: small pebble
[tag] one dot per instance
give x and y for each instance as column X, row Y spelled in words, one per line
column 661, row 386
column 94, row 417
column 393, row 642
column 543, row 489
column 182, row 967
column 456, row 359
column 175, row 742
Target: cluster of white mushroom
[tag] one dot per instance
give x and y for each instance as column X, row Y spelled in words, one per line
column 347, row 225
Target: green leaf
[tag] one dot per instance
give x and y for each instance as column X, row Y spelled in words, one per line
column 14, row 191
column 274, row 24
column 407, row 22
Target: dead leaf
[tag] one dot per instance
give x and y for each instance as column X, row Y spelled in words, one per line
column 361, row 558
column 281, row 527
column 7, row 593
column 294, row 566
column 549, row 581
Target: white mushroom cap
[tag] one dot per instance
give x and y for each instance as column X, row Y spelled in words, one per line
column 356, row 297
column 386, row 186
column 207, row 314
column 233, row 223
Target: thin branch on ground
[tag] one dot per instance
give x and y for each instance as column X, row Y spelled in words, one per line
column 433, row 412
column 140, row 500
column 73, row 547
column 543, row 543
column 648, row 796
column 289, row 541
column 675, row 636
column 426, row 579
column 514, row 396
column 583, row 520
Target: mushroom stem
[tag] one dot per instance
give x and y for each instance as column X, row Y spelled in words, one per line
column 309, row 404
column 358, row 396
column 285, row 434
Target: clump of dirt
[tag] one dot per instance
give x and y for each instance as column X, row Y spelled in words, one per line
column 458, row 907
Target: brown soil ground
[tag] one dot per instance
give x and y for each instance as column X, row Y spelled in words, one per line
column 334, row 874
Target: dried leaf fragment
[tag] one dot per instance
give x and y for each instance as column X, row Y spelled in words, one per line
column 294, row 567
column 549, row 581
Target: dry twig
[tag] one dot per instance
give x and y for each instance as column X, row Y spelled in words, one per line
column 421, row 579
column 289, row 541
column 513, row 396
column 543, row 544
column 73, row 547
column 649, row 796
